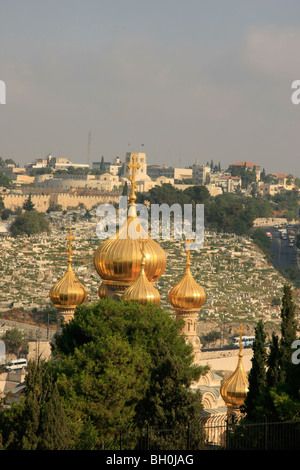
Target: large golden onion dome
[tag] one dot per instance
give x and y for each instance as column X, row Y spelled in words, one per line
column 117, row 259
column 235, row 388
column 142, row 290
column 187, row 294
column 68, row 292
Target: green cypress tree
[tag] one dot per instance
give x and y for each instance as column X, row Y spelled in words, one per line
column 55, row 431
column 28, row 204
column 42, row 423
column 274, row 372
column 257, row 377
column 288, row 330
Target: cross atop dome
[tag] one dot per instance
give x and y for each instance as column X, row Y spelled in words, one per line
column 70, row 237
column 134, row 166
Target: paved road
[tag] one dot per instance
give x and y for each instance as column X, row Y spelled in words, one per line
column 285, row 256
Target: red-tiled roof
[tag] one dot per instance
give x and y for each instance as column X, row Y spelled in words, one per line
column 279, row 175
column 245, row 163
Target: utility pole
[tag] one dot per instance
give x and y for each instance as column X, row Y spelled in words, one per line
column 89, row 150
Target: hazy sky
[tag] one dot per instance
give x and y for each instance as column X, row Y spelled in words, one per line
column 191, row 80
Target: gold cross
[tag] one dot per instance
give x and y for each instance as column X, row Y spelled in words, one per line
column 241, row 332
column 134, row 166
column 142, row 248
column 70, row 238
column 188, row 251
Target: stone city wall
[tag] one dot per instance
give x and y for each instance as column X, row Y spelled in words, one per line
column 43, row 202
column 226, row 359
column 267, row 222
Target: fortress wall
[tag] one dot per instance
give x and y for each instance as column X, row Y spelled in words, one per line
column 13, row 201
column 66, row 201
column 225, row 360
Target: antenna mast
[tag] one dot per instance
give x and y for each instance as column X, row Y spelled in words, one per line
column 89, row 150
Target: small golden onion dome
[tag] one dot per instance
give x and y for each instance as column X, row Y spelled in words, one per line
column 142, row 290
column 187, row 294
column 102, row 291
column 117, row 259
column 235, row 388
column 67, row 293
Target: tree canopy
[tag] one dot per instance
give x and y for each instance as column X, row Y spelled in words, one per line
column 274, row 381
column 115, row 365
column 228, row 212
column 29, row 223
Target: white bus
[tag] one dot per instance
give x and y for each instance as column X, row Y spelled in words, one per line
column 247, row 341
column 16, row 364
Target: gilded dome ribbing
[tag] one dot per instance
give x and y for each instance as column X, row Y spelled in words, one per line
column 142, row 290
column 187, row 294
column 67, row 293
column 117, row 259
column 235, row 388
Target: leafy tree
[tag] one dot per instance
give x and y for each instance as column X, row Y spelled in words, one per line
column 28, row 204
column 125, row 189
column 274, row 373
column 247, row 175
column 122, row 364
column 15, row 341
column 166, row 193
column 5, row 180
column 254, row 405
column 274, row 393
column 39, row 422
column 198, row 194
column 263, row 242
column 288, row 328
column 102, row 165
column 6, row 213
column 29, row 223
column 87, row 215
column 211, row 337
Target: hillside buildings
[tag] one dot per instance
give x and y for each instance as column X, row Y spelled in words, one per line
column 61, row 175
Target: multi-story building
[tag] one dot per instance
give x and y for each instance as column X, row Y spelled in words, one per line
column 56, row 163
column 114, row 167
column 225, row 181
column 201, row 174
column 157, row 171
column 141, row 171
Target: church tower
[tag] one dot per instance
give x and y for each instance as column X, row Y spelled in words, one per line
column 235, row 388
column 117, row 260
column 141, row 168
column 67, row 293
column 187, row 297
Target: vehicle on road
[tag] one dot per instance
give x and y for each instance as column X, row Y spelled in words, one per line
column 269, row 235
column 247, row 341
column 16, row 364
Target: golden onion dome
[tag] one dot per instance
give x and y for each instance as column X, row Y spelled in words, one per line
column 235, row 388
column 102, row 291
column 187, row 294
column 142, row 290
column 117, row 259
column 67, row 293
